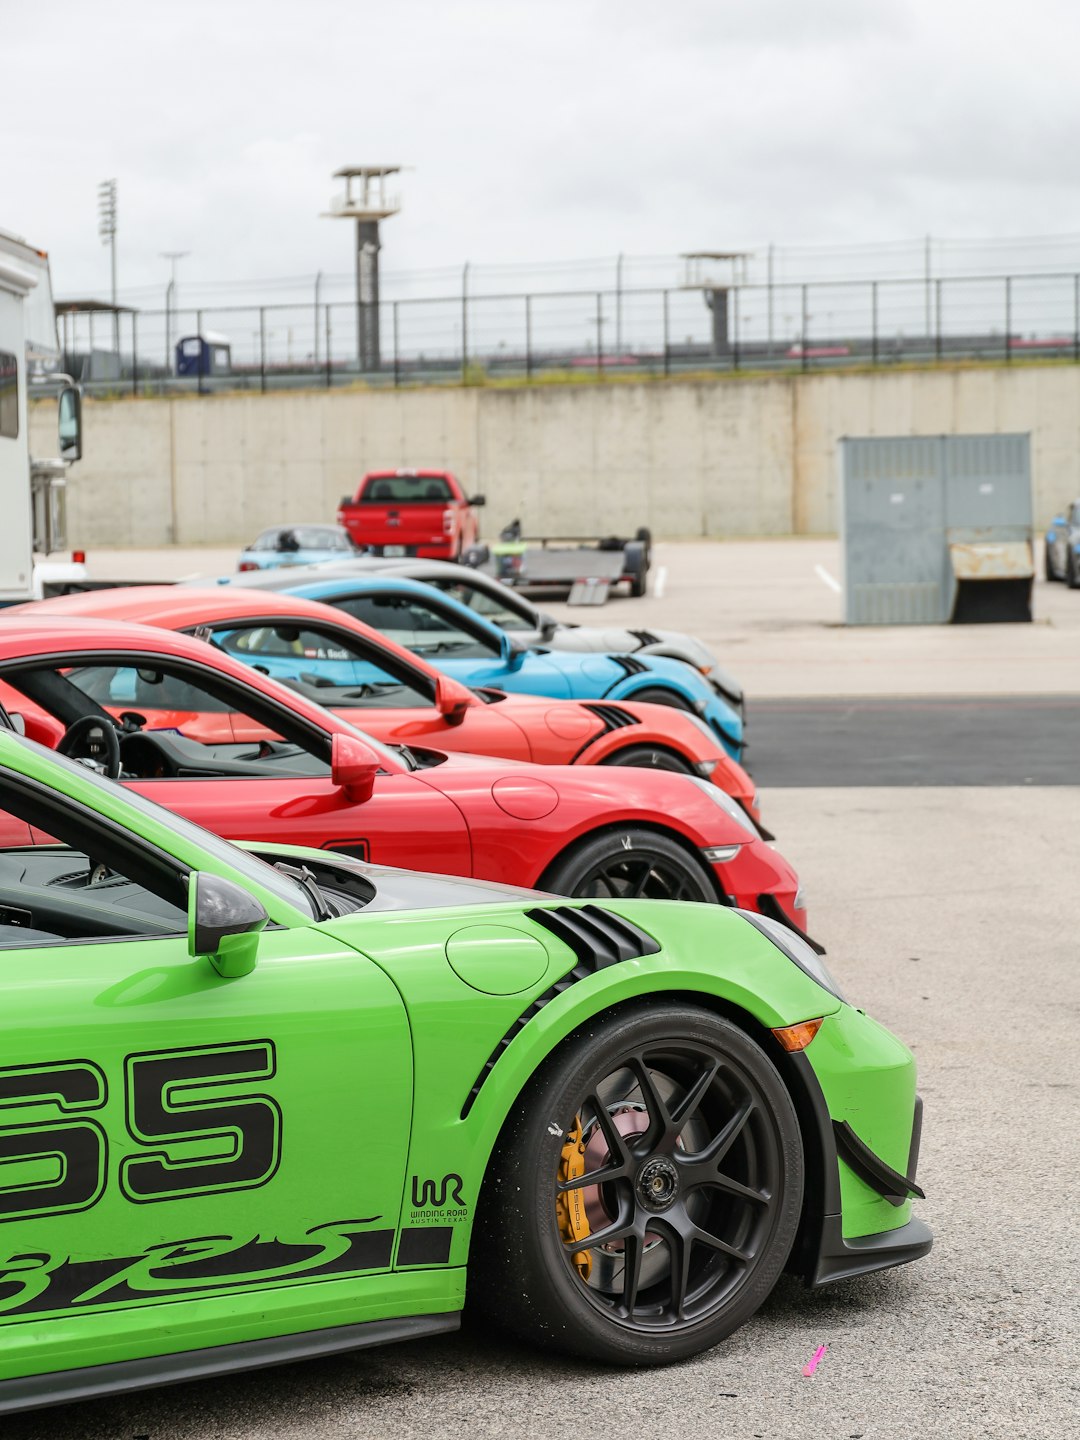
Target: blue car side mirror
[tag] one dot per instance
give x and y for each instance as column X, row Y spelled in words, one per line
column 511, row 652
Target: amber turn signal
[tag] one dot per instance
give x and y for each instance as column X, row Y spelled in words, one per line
column 797, row 1037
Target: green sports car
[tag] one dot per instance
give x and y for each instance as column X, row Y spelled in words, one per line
column 257, row 1107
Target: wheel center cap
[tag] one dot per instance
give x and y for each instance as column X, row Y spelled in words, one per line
column 657, row 1183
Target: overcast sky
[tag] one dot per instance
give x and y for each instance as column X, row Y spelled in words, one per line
column 536, row 129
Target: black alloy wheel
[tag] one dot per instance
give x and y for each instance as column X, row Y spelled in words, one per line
column 645, row 1197
column 631, row 863
column 650, row 757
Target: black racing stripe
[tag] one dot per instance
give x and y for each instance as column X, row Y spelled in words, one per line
column 425, row 1245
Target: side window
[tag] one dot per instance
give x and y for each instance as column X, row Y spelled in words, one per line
column 324, row 668
column 419, row 628
column 81, row 880
column 122, row 687
column 9, row 396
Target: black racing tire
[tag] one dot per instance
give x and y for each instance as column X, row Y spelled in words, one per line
column 655, row 1089
column 630, row 862
column 1050, row 575
column 1072, row 570
column 650, row 757
column 656, row 695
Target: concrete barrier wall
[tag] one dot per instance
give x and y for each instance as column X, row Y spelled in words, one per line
column 732, row 457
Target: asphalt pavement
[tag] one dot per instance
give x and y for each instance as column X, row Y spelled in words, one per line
column 915, row 740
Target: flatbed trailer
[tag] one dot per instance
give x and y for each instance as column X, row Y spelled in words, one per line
column 586, row 565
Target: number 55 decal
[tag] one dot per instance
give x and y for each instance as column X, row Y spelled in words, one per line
column 200, row 1143
column 54, row 1167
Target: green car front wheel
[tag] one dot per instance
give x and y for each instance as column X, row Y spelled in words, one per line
column 646, row 1196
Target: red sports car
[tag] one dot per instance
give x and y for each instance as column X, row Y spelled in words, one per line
column 309, row 778
column 401, row 699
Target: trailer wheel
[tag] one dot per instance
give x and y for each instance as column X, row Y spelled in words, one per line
column 636, row 567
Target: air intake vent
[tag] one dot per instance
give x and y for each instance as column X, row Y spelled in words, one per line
column 630, row 665
column 598, row 939
column 613, row 717
column 645, row 637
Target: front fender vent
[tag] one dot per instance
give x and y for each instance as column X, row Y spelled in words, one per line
column 598, row 939
column 613, row 717
column 630, row 665
column 646, row 637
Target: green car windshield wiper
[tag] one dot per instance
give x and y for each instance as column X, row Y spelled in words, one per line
column 307, row 882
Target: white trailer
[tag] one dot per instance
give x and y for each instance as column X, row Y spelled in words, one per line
column 32, row 490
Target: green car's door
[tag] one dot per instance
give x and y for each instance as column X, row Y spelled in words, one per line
column 186, row 1160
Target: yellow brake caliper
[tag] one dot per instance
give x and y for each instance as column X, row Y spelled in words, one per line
column 570, row 1204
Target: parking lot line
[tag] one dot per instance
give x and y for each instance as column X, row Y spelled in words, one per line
column 823, row 575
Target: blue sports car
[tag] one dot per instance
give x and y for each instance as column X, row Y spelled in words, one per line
column 465, row 645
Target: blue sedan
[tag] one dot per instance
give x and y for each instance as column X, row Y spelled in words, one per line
column 462, row 643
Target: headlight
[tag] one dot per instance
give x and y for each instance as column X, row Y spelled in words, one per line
column 727, row 804
column 797, row 951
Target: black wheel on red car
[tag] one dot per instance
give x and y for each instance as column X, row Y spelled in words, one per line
column 650, row 757
column 645, row 1196
column 630, row 863
column 655, row 695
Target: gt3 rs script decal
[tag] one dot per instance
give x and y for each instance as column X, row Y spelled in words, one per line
column 37, row 1284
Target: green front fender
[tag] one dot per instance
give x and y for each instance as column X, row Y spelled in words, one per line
column 707, row 953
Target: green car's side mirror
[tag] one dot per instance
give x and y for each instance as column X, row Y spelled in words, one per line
column 224, row 922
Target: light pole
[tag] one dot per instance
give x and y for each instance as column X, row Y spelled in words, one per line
column 107, row 232
column 170, row 293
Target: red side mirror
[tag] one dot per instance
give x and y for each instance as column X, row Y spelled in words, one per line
column 353, row 768
column 452, row 699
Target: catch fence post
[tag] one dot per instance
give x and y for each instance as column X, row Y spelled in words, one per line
column 262, row 349
column 937, row 319
column 873, row 322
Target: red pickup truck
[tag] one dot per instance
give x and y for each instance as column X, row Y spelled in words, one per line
column 411, row 512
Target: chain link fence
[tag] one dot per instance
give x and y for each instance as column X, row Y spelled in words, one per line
column 594, row 334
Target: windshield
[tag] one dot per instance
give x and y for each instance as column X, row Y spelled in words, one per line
column 221, row 850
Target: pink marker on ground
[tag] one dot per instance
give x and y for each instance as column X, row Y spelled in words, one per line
column 811, row 1365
